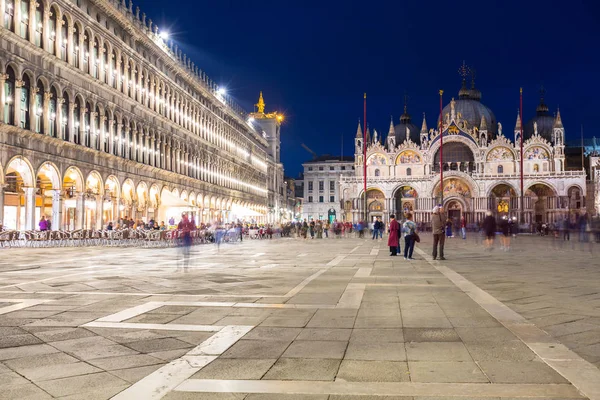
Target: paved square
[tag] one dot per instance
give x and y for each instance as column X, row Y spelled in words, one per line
column 292, row 319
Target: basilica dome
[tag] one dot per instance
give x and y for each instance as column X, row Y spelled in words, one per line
column 406, row 127
column 544, row 120
column 469, row 108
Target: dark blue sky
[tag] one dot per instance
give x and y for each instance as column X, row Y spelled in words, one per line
column 314, row 59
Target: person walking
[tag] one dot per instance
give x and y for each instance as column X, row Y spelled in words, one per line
column 463, row 227
column 326, row 229
column 438, row 220
column 410, row 235
column 505, row 238
column 489, row 228
column 394, row 236
column 376, row 227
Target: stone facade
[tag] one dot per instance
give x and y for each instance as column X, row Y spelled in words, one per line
column 322, row 178
column 101, row 118
column 481, row 169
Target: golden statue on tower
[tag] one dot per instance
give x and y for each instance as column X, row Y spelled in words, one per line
column 261, row 104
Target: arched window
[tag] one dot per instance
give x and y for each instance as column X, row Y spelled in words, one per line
column 133, row 78
column 65, row 124
column 39, row 108
column 95, row 137
column 500, row 169
column 105, row 135
column 9, row 97
column 24, row 25
column 53, row 126
column 9, row 15
column 107, row 67
column 64, row 34
column 87, row 121
column 113, row 70
column 24, row 117
column 130, row 140
column 377, row 172
column 76, row 49
column 39, row 24
column 454, row 153
column 96, row 60
column 122, row 78
column 77, row 121
column 52, row 32
column 124, row 140
column 408, row 172
column 159, row 99
column 86, row 52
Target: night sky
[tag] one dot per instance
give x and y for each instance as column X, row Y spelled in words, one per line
column 314, row 59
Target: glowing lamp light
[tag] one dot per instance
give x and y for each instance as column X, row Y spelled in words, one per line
column 222, row 91
column 164, row 35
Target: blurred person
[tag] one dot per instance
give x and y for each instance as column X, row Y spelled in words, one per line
column 489, row 229
column 505, row 238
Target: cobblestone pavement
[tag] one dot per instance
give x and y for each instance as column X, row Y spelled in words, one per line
column 289, row 319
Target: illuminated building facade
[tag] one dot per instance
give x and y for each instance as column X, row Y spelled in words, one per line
column 481, row 167
column 101, row 116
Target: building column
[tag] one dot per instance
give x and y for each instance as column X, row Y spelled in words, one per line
column 29, row 207
column 99, row 212
column 103, row 135
column 17, row 100
column 111, row 136
column 3, row 78
column 2, row 187
column 71, row 122
column 46, row 114
column 119, row 142
column 57, row 203
column 80, row 211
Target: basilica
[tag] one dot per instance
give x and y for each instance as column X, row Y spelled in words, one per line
column 481, row 167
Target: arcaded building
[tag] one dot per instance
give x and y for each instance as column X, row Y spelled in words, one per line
column 102, row 117
column 481, row 162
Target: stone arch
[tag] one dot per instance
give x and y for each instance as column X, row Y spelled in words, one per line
column 471, row 184
column 539, row 184
column 73, row 181
column 94, row 183
column 493, row 189
column 128, row 192
column 51, row 174
column 112, row 186
column 142, row 193
column 21, row 166
column 192, row 198
column 155, row 195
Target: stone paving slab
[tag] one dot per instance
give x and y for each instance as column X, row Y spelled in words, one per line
column 337, row 312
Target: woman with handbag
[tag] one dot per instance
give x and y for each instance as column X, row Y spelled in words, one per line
column 410, row 237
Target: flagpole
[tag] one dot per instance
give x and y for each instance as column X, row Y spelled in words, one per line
column 365, row 157
column 521, row 140
column 582, row 150
column 441, row 152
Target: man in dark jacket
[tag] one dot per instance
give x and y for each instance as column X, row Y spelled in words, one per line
column 438, row 223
